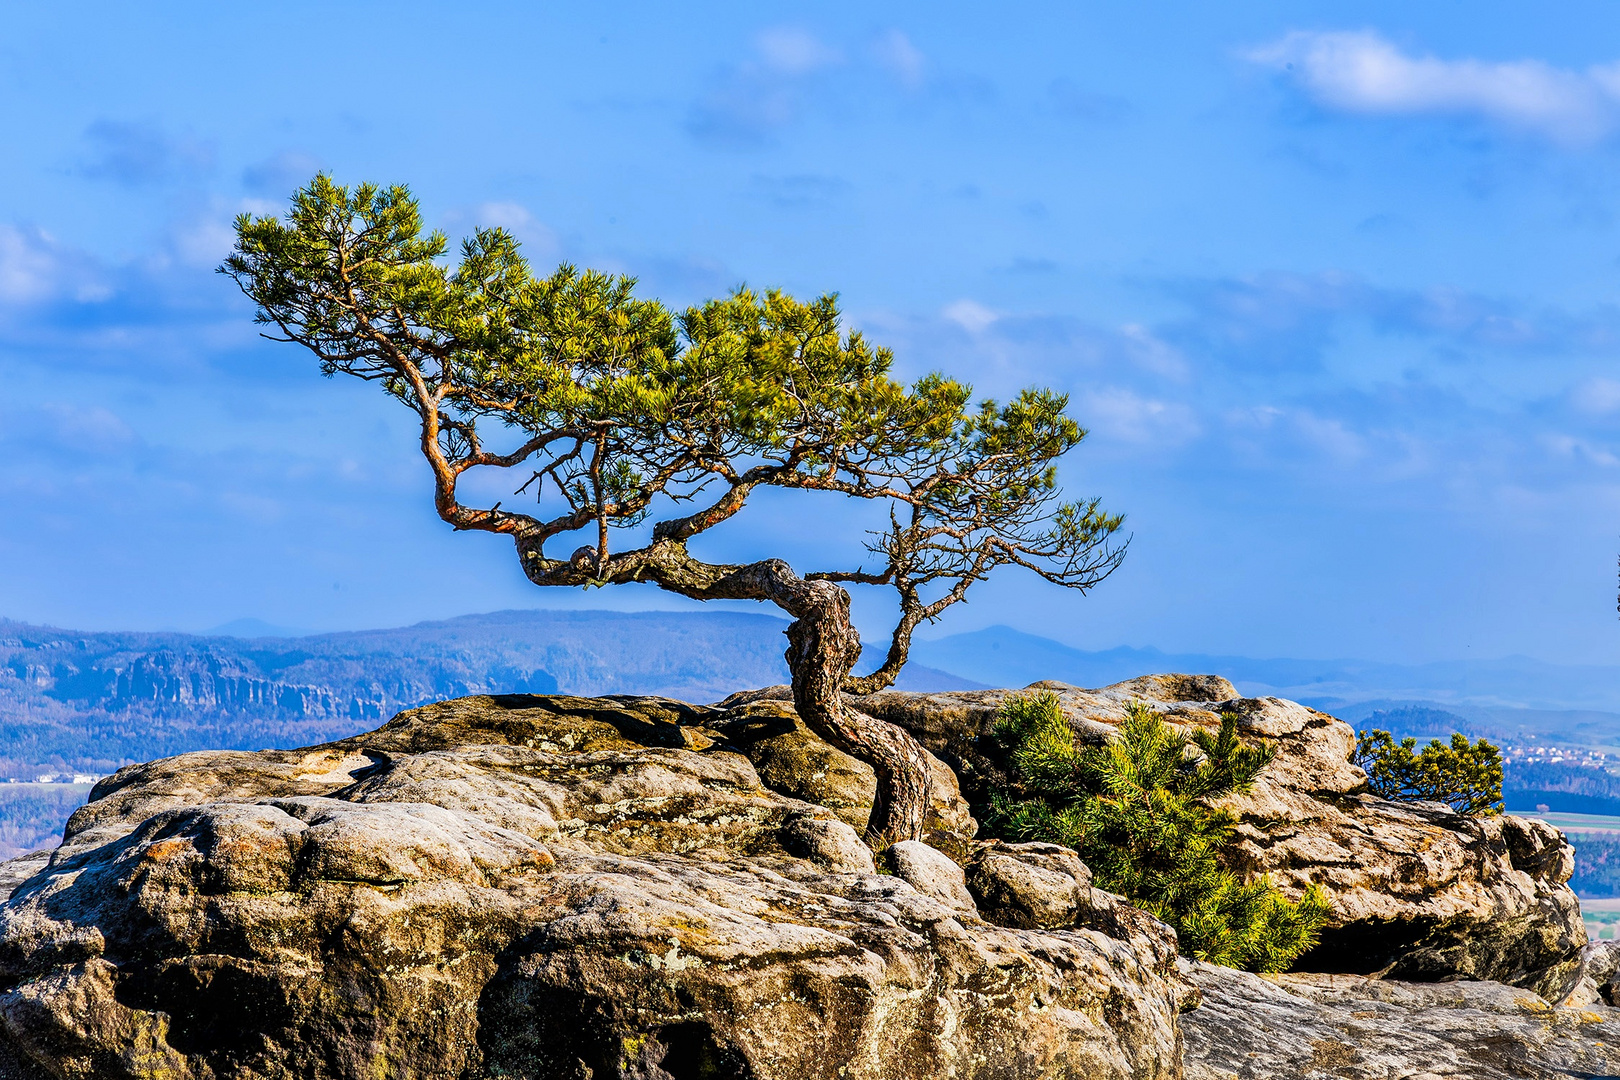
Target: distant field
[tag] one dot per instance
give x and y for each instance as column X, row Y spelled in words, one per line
column 1577, row 823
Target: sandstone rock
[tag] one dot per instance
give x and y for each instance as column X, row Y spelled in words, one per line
column 1250, row 1027
column 831, row 844
column 931, row 873
column 1419, row 892
column 1029, row 885
column 1047, row 886
column 792, row 761
column 13, row 872
column 534, row 887
column 1599, row 982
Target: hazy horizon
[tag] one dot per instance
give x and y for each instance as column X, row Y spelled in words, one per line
column 250, row 627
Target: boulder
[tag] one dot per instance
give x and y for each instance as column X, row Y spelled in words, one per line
column 536, row 887
column 1419, row 892
column 1599, row 982
column 1252, row 1027
column 1029, row 885
column 14, row 872
column 931, row 873
column 831, row 844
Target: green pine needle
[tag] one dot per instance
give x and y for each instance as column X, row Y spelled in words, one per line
column 1136, row 810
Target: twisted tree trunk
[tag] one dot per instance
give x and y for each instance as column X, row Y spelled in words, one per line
column 822, row 648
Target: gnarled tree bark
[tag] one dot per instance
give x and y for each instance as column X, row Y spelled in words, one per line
column 822, row 648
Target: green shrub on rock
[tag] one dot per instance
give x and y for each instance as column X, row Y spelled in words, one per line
column 1136, row 809
column 1467, row 776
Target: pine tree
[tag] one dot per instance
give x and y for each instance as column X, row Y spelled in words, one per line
column 1467, row 776
column 1137, row 810
column 638, row 430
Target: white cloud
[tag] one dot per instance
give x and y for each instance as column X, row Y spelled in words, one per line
column 752, row 100
column 1568, row 446
column 970, row 315
column 90, row 427
column 1127, row 416
column 1360, row 71
column 205, row 242
column 793, row 51
column 27, row 264
column 1151, row 352
column 540, row 242
column 1329, row 435
column 1281, row 433
column 895, row 52
column 1596, row 395
column 34, row 267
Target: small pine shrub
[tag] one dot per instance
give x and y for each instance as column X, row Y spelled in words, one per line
column 1136, row 810
column 1467, row 776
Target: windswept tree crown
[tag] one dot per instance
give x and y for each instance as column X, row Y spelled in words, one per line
column 610, row 408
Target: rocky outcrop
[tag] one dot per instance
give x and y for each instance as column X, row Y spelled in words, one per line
column 1419, row 892
column 546, row 887
column 1599, row 980
column 1312, row 1027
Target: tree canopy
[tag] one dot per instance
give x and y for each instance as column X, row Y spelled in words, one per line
column 612, row 411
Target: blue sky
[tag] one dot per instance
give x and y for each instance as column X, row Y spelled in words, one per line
column 1332, row 285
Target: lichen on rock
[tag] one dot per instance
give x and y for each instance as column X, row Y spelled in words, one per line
column 542, row 887
column 537, row 887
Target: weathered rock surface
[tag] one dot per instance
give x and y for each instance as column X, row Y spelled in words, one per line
column 1599, row 982
column 540, row 888
column 1315, row 1027
column 1419, row 892
column 931, row 873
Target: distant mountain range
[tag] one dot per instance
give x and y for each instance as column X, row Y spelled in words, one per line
column 81, row 702
column 1003, row 656
column 74, row 701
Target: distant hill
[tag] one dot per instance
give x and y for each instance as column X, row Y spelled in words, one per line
column 75, row 701
column 81, row 702
column 1502, row 689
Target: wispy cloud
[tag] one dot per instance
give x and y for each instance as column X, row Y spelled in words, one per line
column 1284, row 321
column 35, row 268
column 800, row 190
column 1361, row 71
column 541, row 244
column 896, row 54
column 790, row 72
column 1069, row 100
column 792, row 50
column 280, row 174
column 1128, row 416
column 970, row 315
column 134, row 154
column 747, row 103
